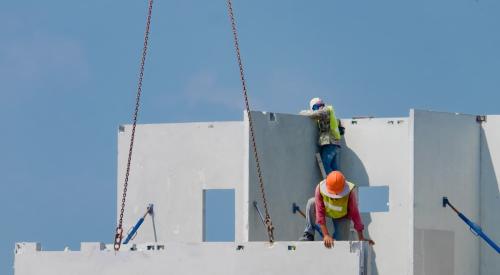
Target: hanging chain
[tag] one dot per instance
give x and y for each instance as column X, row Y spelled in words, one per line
column 267, row 220
column 119, row 228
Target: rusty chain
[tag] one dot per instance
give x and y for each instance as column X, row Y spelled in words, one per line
column 267, row 220
column 119, row 228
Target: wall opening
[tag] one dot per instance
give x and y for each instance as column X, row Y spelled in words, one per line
column 218, row 215
column 373, row 199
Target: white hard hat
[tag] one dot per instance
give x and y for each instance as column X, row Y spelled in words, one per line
column 315, row 101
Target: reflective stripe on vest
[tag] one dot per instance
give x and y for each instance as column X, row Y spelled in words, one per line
column 334, row 125
column 337, row 208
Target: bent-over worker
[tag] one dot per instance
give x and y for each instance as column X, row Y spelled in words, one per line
column 334, row 198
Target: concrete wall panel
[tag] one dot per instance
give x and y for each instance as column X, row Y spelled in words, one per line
column 419, row 159
column 376, row 153
column 286, row 145
column 435, row 252
column 490, row 198
column 368, row 158
column 446, row 163
column 201, row 258
column 171, row 165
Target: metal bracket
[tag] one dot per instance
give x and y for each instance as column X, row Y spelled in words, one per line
column 260, row 213
column 481, row 118
column 295, row 208
column 272, row 117
column 445, row 201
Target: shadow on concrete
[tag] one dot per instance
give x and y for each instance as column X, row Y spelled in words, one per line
column 489, row 205
column 354, row 170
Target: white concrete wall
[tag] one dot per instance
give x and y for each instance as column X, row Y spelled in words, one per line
column 490, row 198
column 286, row 148
column 446, row 163
column 376, row 153
column 200, row 258
column 421, row 159
column 171, row 165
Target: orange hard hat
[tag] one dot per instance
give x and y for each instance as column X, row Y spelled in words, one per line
column 335, row 182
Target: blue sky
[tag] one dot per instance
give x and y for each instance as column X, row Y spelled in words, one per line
column 68, row 76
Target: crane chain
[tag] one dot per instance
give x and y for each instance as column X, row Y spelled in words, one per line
column 267, row 220
column 119, row 228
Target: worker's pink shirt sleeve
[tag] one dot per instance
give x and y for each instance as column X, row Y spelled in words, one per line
column 353, row 212
column 320, row 207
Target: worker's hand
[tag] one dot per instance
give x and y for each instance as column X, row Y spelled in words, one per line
column 370, row 242
column 328, row 241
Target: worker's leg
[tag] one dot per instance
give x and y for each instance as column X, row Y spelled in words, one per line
column 310, row 220
column 330, row 155
column 341, row 229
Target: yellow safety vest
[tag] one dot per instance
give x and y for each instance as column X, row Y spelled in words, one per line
column 334, row 125
column 337, row 208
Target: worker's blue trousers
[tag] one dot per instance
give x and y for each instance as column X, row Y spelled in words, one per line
column 330, row 155
column 341, row 226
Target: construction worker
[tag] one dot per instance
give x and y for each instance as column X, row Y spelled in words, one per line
column 333, row 198
column 330, row 131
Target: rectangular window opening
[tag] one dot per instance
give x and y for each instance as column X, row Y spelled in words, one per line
column 218, row 215
column 373, row 199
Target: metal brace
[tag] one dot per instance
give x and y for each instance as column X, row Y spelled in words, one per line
column 481, row 119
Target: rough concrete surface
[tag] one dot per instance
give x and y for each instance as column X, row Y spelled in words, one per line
column 446, row 163
column 172, row 165
column 490, row 195
column 200, row 258
column 376, row 153
column 419, row 159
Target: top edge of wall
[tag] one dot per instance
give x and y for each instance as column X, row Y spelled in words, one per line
column 355, row 118
column 33, row 247
column 203, row 123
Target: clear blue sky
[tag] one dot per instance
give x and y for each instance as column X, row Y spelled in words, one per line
column 68, row 75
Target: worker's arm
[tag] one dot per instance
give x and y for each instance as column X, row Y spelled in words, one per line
column 353, row 214
column 327, row 239
column 320, row 218
column 315, row 114
column 361, row 237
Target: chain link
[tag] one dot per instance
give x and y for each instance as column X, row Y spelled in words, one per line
column 267, row 219
column 119, row 228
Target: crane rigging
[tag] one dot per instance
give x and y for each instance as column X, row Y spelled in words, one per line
column 267, row 219
column 119, row 228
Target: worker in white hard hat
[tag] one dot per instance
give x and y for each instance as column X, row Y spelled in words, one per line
column 330, row 132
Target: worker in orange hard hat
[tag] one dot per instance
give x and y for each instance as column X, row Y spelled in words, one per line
column 333, row 198
column 330, row 132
